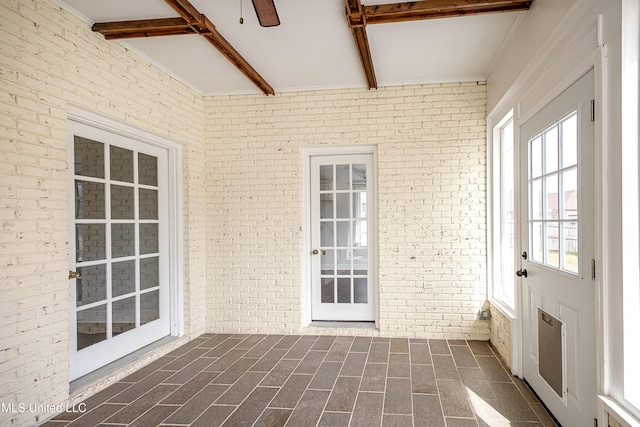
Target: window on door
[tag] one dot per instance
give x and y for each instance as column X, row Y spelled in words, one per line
column 503, row 289
column 117, row 252
column 553, row 195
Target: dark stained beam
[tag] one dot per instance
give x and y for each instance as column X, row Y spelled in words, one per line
column 188, row 12
column 359, row 16
column 202, row 25
column 433, row 9
column 190, row 22
column 225, row 48
column 357, row 22
column 142, row 28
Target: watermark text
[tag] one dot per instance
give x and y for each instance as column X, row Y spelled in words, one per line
column 42, row 408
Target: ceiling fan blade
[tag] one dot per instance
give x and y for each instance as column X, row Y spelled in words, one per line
column 267, row 14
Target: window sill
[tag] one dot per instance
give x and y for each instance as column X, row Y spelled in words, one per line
column 621, row 415
column 508, row 311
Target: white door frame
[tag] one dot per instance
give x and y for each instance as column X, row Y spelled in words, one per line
column 574, row 292
column 597, row 62
column 306, row 256
column 175, row 196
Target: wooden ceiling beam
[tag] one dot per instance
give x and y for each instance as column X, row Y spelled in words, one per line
column 190, row 22
column 433, row 9
column 189, row 13
column 142, row 28
column 359, row 16
column 357, row 22
column 205, row 27
column 226, row 49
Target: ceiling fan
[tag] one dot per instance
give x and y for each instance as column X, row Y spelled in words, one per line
column 266, row 12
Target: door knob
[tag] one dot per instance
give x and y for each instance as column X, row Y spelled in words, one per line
column 521, row 272
column 74, row 275
column 315, row 252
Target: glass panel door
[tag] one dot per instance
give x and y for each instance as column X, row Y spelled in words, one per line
column 341, row 210
column 120, row 229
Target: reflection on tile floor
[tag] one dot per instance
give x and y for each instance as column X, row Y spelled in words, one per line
column 268, row 380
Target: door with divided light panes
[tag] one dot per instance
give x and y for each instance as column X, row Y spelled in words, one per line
column 558, row 254
column 343, row 238
column 119, row 247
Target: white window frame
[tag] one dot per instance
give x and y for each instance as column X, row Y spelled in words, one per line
column 497, row 294
column 630, row 121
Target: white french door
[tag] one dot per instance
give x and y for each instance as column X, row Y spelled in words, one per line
column 558, row 248
column 119, row 257
column 343, row 238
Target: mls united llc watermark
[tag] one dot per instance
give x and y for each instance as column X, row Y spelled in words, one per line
column 42, row 408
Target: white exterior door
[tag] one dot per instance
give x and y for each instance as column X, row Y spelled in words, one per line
column 559, row 344
column 342, row 238
column 119, row 258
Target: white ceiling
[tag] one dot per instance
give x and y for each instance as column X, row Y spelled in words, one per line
column 313, row 47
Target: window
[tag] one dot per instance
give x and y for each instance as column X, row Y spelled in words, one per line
column 503, row 213
column 630, row 208
column 553, row 195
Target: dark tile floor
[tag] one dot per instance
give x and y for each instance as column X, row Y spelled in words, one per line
column 267, row 380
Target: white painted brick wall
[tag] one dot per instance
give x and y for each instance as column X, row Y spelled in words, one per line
column 244, row 234
column 432, row 204
column 48, row 59
column 500, row 335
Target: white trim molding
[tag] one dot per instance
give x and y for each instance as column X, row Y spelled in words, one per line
column 609, row 406
column 307, row 153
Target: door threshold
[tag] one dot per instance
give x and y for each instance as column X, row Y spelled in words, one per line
column 553, row 417
column 339, row 324
column 106, row 370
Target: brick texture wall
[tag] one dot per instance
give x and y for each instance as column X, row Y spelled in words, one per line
column 432, row 204
column 243, row 229
column 48, row 59
column 500, row 335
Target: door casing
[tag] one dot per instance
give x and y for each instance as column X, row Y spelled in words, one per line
column 588, row 236
column 77, row 117
column 531, row 91
column 306, row 255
